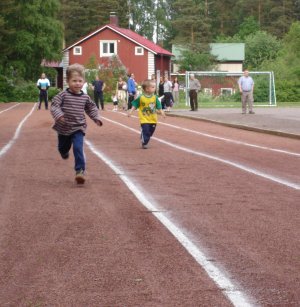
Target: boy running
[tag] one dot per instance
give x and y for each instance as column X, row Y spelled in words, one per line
column 68, row 110
column 147, row 104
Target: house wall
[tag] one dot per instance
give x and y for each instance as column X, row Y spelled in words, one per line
column 162, row 63
column 230, row 67
column 226, row 67
column 137, row 64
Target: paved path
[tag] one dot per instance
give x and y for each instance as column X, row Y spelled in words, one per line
column 280, row 121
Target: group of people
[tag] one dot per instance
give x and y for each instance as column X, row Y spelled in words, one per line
column 68, row 108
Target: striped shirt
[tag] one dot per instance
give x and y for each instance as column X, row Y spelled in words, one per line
column 73, row 108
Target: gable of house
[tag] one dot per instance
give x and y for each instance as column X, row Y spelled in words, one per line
column 138, row 54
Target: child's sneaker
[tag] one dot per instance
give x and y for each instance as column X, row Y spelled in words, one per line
column 144, row 146
column 80, row 177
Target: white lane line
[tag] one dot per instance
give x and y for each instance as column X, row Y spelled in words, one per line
column 231, row 290
column 253, row 171
column 229, row 140
column 16, row 105
column 16, row 135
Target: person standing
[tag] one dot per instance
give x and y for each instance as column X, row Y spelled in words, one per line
column 168, row 93
column 43, row 85
column 246, row 87
column 131, row 88
column 194, row 88
column 99, row 87
column 148, row 105
column 121, row 92
column 176, row 91
column 68, row 111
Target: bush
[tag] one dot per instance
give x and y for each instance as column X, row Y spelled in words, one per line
column 6, row 89
column 21, row 91
column 288, row 90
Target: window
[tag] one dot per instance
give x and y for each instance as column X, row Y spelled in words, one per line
column 108, row 48
column 77, row 50
column 207, row 91
column 226, row 91
column 139, row 50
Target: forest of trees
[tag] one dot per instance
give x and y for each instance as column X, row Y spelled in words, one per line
column 33, row 30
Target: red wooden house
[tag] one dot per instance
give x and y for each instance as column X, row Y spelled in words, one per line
column 139, row 55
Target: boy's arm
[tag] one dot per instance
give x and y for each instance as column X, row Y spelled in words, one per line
column 159, row 107
column 55, row 109
column 131, row 110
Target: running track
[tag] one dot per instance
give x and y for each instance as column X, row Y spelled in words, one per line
column 207, row 216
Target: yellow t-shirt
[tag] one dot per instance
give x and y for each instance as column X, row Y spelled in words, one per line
column 147, row 106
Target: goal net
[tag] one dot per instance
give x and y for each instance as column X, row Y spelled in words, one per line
column 221, row 88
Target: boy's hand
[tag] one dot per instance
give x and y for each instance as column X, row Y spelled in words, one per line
column 98, row 122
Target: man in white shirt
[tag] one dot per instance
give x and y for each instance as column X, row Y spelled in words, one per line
column 246, row 86
column 43, row 84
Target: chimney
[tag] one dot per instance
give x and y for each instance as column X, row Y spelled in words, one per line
column 113, row 19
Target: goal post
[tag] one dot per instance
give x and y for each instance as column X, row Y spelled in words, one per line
column 222, row 87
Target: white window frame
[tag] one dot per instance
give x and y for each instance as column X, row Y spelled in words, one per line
column 79, row 52
column 136, row 50
column 108, row 54
column 229, row 89
column 207, row 91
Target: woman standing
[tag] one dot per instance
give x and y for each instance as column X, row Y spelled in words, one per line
column 176, row 91
column 168, row 93
column 161, row 92
column 121, row 93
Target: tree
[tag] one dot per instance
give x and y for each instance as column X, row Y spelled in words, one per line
column 190, row 22
column 249, row 26
column 286, row 66
column 33, row 34
column 196, row 60
column 260, row 47
column 90, row 15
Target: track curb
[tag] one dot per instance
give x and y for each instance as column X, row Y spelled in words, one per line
column 238, row 126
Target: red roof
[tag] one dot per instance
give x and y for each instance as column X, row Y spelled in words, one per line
column 129, row 34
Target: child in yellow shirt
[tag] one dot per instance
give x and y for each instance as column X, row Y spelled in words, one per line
column 147, row 105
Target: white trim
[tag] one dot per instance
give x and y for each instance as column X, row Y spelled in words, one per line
column 108, row 54
column 79, row 50
column 151, row 64
column 66, row 63
column 136, row 48
column 229, row 89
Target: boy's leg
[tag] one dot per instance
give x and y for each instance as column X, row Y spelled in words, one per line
column 64, row 145
column 147, row 132
column 77, row 140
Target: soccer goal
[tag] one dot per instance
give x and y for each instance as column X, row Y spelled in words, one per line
column 221, row 88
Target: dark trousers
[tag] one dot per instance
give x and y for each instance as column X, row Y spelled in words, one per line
column 193, row 100
column 147, row 132
column 99, row 96
column 76, row 139
column 43, row 97
column 130, row 99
